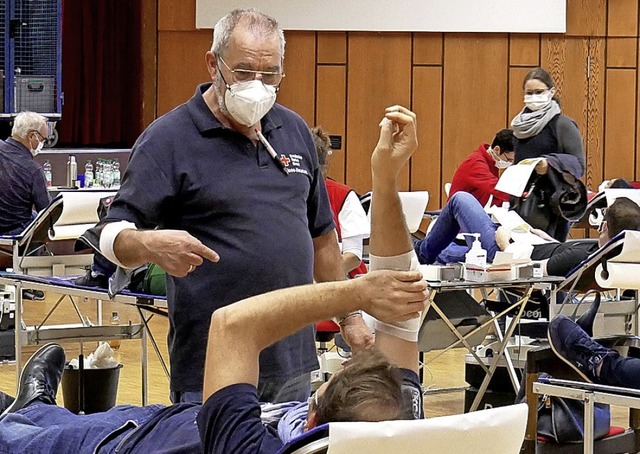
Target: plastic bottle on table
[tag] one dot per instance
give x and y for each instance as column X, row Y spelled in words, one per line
column 88, row 174
column 115, row 320
column 46, row 167
column 116, row 173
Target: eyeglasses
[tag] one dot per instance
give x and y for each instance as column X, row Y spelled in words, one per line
column 538, row 91
column 246, row 75
column 40, row 136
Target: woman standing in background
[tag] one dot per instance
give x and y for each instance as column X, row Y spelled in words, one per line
column 543, row 131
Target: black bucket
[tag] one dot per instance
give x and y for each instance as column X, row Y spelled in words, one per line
column 100, row 389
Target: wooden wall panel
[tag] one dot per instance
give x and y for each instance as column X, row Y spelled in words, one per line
column 331, row 111
column 298, row 89
column 332, row 47
column 475, row 94
column 379, row 76
column 181, row 66
column 586, row 17
column 622, row 19
column 426, row 162
column 516, row 92
column 174, row 15
column 621, row 52
column 593, row 137
column 566, row 60
column 524, row 50
column 427, row 48
column 620, row 115
column 148, row 54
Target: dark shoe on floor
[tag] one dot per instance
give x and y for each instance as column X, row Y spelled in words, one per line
column 40, row 378
column 89, row 280
column 31, row 294
column 586, row 320
column 575, row 347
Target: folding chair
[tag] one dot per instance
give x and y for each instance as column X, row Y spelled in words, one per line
column 618, row 440
column 500, row 430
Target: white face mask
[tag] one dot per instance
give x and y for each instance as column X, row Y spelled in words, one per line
column 537, row 102
column 500, row 163
column 248, row 102
column 38, row 149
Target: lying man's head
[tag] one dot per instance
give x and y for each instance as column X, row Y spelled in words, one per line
column 623, row 214
column 369, row 388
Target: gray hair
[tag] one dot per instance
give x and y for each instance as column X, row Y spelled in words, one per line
column 255, row 21
column 25, row 122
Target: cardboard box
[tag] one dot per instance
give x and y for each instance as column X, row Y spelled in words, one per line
column 439, row 273
column 487, row 273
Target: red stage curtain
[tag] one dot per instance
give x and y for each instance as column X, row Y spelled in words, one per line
column 101, row 73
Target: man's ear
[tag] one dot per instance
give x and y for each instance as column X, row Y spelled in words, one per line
column 212, row 63
column 312, row 421
column 497, row 150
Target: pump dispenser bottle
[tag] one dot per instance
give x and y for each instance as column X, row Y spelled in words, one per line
column 476, row 255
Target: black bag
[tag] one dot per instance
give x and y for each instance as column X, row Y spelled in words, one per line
column 535, row 209
column 562, row 420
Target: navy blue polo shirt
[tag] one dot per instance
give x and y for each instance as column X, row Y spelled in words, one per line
column 23, row 187
column 189, row 172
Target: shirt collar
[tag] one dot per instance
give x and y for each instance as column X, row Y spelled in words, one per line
column 205, row 121
column 19, row 146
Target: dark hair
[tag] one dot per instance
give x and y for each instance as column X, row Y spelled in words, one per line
column 323, row 144
column 623, row 214
column 369, row 388
column 543, row 76
column 505, row 140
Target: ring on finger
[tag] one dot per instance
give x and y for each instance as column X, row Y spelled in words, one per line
column 191, row 268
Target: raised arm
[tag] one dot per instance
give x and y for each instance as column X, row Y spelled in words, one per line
column 390, row 243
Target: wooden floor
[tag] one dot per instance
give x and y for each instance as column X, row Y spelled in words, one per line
column 446, row 371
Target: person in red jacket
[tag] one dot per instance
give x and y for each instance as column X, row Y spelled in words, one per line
column 352, row 224
column 478, row 173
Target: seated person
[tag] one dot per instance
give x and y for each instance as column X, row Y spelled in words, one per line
column 463, row 213
column 478, row 173
column 22, row 182
column 592, row 361
column 369, row 388
column 349, row 217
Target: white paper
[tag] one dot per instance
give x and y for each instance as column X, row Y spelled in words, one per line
column 502, row 427
column 514, row 178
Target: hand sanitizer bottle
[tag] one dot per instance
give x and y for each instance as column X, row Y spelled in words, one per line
column 476, row 255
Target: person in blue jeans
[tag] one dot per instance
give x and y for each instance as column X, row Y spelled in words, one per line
column 380, row 384
column 464, row 214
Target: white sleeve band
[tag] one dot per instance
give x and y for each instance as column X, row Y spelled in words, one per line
column 108, row 238
column 406, row 262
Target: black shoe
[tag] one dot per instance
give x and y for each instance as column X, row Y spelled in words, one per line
column 89, row 280
column 31, row 294
column 40, row 378
column 586, row 320
column 576, row 348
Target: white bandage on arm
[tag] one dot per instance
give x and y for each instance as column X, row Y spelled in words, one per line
column 352, row 245
column 108, row 238
column 405, row 262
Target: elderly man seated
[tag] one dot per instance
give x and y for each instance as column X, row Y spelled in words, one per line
column 381, row 384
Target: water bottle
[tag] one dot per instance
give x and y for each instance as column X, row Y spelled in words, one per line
column 115, row 320
column 88, row 174
column 107, row 175
column 72, row 171
column 98, row 180
column 116, row 173
column 46, row 167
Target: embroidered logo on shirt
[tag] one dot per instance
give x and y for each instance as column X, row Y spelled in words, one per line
column 295, row 160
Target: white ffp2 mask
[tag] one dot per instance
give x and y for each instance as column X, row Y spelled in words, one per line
column 248, row 102
column 537, row 102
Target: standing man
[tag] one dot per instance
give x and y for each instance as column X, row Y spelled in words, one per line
column 225, row 194
column 478, row 173
column 22, row 182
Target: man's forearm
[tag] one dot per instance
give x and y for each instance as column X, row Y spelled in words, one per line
column 389, row 234
column 327, row 261
column 130, row 248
